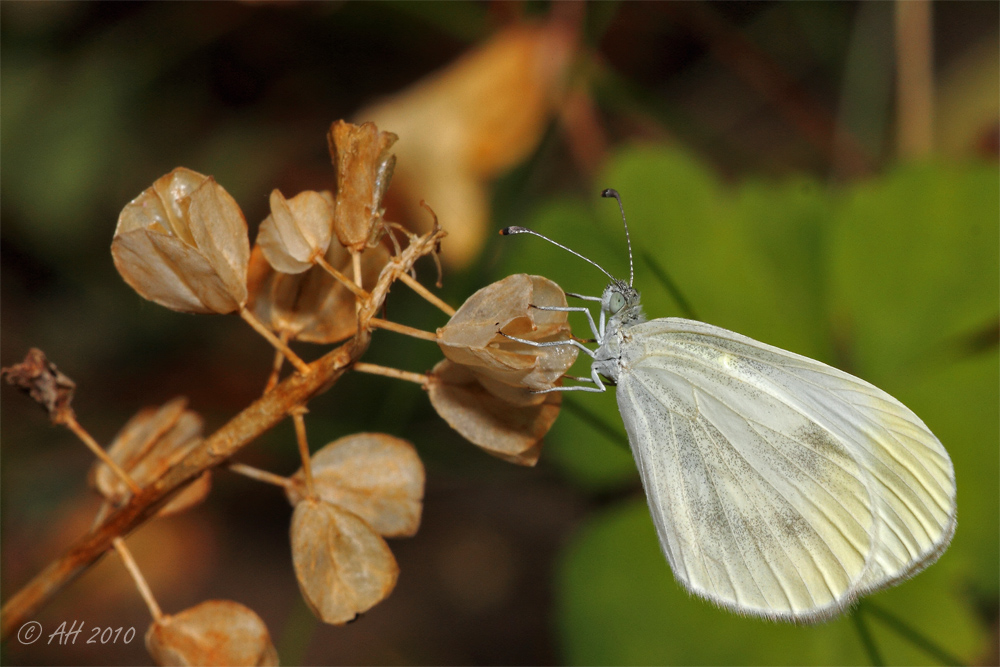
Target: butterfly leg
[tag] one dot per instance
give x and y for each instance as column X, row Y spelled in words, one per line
column 551, row 343
column 575, row 309
column 595, row 377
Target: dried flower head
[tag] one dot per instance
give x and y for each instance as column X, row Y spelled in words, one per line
column 183, row 244
column 506, row 368
column 215, row 632
column 39, row 378
column 376, row 476
column 149, row 444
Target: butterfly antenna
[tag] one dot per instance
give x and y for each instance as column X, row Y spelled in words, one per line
column 507, row 231
column 611, row 192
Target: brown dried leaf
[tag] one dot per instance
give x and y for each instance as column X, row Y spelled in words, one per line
column 39, row 378
column 297, row 231
column 511, row 432
column 360, row 154
column 149, row 444
column 183, row 244
column 376, row 476
column 506, row 368
column 311, row 306
column 343, row 567
column 215, row 632
column 463, row 126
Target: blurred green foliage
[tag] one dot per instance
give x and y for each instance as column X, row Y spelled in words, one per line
column 891, row 280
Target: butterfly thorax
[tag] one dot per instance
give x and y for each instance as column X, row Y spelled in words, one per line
column 620, row 310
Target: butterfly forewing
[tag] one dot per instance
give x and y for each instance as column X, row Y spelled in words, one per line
column 779, row 486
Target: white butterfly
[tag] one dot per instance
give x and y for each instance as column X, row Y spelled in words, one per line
column 779, row 486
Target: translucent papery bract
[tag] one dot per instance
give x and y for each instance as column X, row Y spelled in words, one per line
column 509, row 369
column 360, row 154
column 342, row 565
column 297, row 230
column 311, row 306
column 183, row 244
column 215, row 632
column 149, row 444
column 376, row 476
column 511, row 432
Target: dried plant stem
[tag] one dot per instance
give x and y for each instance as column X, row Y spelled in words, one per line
column 427, row 294
column 140, row 581
column 279, row 360
column 276, row 342
column 257, row 418
column 341, row 278
column 260, row 475
column 379, row 323
column 914, row 78
column 298, row 416
column 375, row 369
column 69, row 419
column 356, row 262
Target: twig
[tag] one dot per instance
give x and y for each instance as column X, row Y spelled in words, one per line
column 260, row 475
column 375, row 369
column 279, row 360
column 340, row 277
column 298, row 416
column 276, row 342
column 388, row 325
column 257, row 418
column 140, row 581
column 69, row 419
column 427, row 294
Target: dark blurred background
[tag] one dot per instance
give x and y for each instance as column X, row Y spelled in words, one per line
column 100, row 99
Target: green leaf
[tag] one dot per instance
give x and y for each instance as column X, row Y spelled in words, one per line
column 617, row 604
column 914, row 265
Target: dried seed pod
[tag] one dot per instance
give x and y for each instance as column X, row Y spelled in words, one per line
column 463, row 126
column 376, row 476
column 215, row 632
column 311, row 306
column 149, row 444
column 360, row 154
column 342, row 565
column 297, row 231
column 183, row 244
column 511, row 432
column 506, row 368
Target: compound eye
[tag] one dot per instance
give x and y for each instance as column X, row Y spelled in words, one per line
column 617, row 302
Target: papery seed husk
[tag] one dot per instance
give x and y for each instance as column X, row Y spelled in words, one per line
column 360, row 154
column 376, row 476
column 297, row 230
column 215, row 632
column 343, row 566
column 500, row 428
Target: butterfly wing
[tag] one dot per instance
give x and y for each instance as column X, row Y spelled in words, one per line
column 779, row 486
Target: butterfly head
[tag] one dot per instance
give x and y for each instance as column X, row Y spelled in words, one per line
column 620, row 306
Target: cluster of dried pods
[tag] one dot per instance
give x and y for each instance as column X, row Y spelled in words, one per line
column 320, row 269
